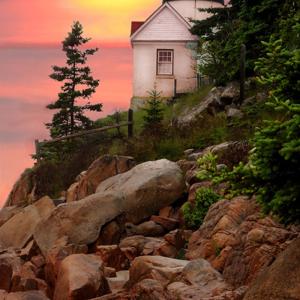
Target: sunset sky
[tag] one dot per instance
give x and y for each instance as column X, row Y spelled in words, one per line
column 30, row 36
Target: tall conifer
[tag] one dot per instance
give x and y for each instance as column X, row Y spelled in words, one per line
column 78, row 84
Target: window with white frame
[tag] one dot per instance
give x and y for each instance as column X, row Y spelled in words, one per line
column 165, row 62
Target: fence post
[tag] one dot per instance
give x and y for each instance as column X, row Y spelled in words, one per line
column 37, row 150
column 175, row 88
column 242, row 73
column 118, row 122
column 130, row 123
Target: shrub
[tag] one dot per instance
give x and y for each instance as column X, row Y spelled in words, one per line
column 207, row 166
column 194, row 214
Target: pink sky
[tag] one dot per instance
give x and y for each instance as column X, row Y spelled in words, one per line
column 30, row 36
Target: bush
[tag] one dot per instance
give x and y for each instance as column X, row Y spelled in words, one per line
column 195, row 214
column 274, row 164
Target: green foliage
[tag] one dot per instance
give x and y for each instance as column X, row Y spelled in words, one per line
column 242, row 22
column 274, row 163
column 154, row 114
column 78, row 85
column 207, row 166
column 194, row 214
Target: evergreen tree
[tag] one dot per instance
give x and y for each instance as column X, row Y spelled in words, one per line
column 79, row 84
column 242, row 22
column 154, row 113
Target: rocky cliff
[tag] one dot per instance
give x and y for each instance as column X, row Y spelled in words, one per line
column 120, row 234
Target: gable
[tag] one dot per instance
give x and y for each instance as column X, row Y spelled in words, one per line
column 166, row 25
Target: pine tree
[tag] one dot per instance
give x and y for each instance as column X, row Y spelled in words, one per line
column 78, row 84
column 154, row 113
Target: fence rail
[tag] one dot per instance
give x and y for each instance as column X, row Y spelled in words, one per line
column 118, row 125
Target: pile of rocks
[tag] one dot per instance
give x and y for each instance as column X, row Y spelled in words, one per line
column 121, row 235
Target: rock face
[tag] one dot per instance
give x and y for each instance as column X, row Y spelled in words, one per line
column 221, row 150
column 23, row 191
column 216, row 101
column 237, row 240
column 18, row 230
column 80, row 277
column 136, row 194
column 101, row 169
column 281, row 280
column 211, row 103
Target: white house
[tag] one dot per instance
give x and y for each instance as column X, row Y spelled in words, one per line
column 164, row 53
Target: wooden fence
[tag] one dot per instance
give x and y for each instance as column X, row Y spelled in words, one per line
column 118, row 125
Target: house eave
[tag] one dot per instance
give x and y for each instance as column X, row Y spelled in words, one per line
column 155, row 13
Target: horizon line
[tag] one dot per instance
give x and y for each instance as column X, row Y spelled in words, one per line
column 55, row 45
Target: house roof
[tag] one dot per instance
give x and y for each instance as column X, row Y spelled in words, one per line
column 185, row 13
column 135, row 25
column 154, row 14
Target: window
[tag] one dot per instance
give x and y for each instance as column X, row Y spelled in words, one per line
column 165, row 59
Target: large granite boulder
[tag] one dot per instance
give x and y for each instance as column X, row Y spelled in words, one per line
column 238, row 241
column 18, row 230
column 281, row 280
column 80, row 277
column 136, row 194
column 104, row 167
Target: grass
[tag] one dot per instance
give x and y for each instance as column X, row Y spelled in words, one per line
column 207, row 131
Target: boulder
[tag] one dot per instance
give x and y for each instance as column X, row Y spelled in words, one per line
column 281, row 280
column 10, row 264
column 80, row 277
column 198, row 280
column 162, row 269
column 231, row 93
column 55, row 257
column 8, row 212
column 136, row 194
column 149, row 228
column 18, row 230
column 237, row 240
column 139, row 245
column 111, row 233
column 117, row 283
column 211, row 103
column 113, row 257
column 167, row 223
column 147, row 188
column 158, row 278
column 178, row 238
column 165, row 249
column 218, row 150
column 104, row 167
column 234, row 113
column 150, row 289
column 28, row 295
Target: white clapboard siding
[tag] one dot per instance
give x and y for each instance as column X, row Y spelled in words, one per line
column 166, row 26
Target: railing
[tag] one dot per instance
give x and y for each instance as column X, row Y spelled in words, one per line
column 118, row 125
